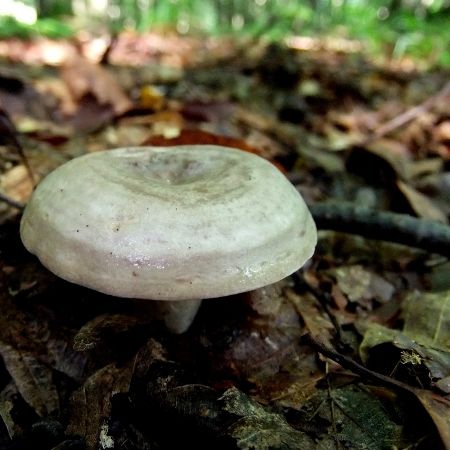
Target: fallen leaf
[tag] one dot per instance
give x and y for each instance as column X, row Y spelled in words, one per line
column 8, row 398
column 16, row 183
column 427, row 318
column 102, row 328
column 439, row 410
column 422, row 205
column 413, row 360
column 442, row 131
column 258, row 429
column 295, row 382
column 197, row 136
column 316, row 321
column 34, row 380
column 152, row 98
column 364, row 422
column 360, row 284
column 395, row 153
column 90, row 405
column 84, row 78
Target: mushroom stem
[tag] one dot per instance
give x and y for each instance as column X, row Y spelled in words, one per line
column 178, row 315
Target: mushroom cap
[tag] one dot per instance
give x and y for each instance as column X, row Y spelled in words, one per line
column 169, row 223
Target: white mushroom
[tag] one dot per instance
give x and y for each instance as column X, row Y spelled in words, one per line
column 176, row 224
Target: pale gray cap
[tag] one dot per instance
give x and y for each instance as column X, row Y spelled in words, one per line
column 169, row 223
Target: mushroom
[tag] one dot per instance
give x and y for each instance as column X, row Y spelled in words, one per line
column 172, row 224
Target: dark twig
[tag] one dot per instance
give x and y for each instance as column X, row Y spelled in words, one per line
column 11, row 202
column 107, row 53
column 385, row 226
column 353, row 366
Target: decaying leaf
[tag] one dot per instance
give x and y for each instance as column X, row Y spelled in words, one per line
column 411, row 356
column 260, row 352
column 361, row 285
column 427, row 319
column 294, row 384
column 316, row 321
column 32, row 378
column 7, row 397
column 90, row 405
column 363, row 421
column 103, row 327
column 257, row 428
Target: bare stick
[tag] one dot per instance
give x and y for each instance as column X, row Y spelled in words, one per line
column 385, row 226
column 350, row 364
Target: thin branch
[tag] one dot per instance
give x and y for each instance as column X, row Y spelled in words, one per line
column 353, row 366
column 385, row 226
column 410, row 114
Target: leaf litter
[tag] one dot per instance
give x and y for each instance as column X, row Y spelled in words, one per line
column 82, row 370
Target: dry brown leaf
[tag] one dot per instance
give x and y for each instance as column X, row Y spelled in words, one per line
column 294, row 384
column 360, row 284
column 16, row 184
column 439, row 410
column 395, row 153
column 297, row 392
column 58, row 89
column 83, row 78
column 316, row 322
column 422, row 205
column 259, row 353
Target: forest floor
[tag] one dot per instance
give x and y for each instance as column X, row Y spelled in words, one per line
column 352, row 351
